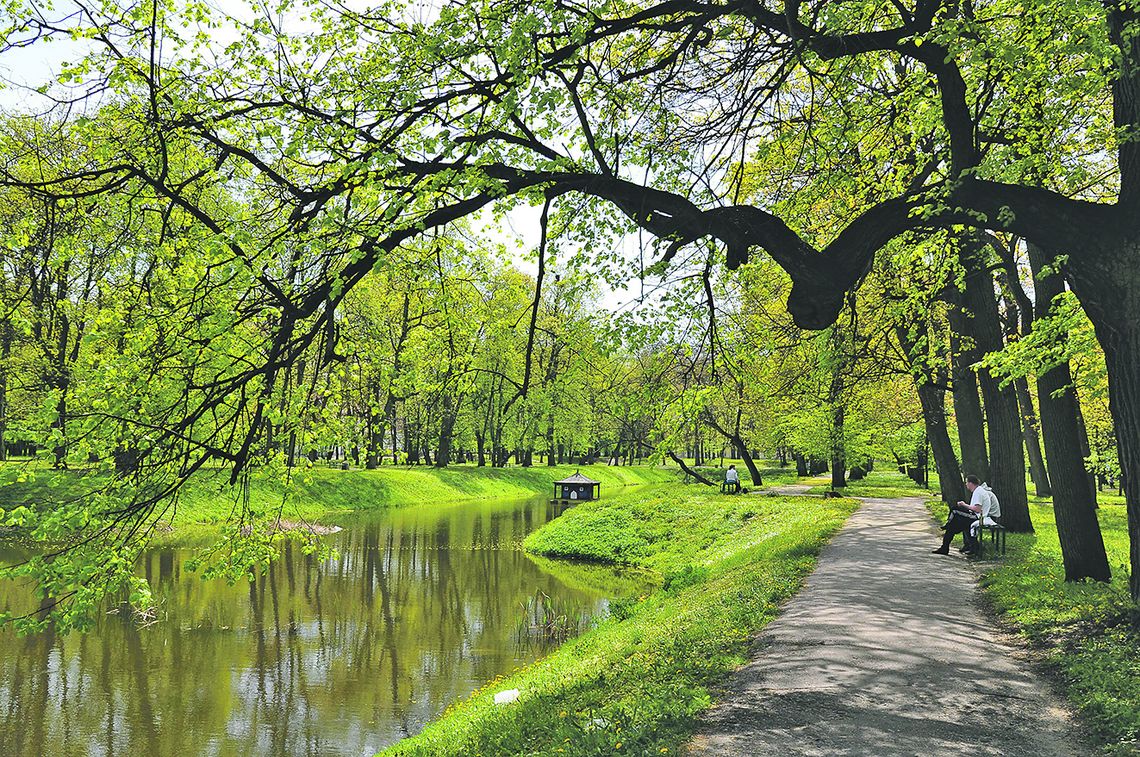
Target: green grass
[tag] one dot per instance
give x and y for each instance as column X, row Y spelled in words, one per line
column 886, row 482
column 1089, row 631
column 635, row 683
column 318, row 492
column 771, row 476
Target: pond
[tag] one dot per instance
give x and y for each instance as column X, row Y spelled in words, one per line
column 341, row 656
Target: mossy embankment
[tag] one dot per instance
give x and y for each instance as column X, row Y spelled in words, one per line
column 318, row 492
column 635, row 683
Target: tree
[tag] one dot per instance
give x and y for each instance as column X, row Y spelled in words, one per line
column 465, row 110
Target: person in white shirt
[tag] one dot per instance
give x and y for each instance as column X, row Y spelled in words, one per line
column 964, row 518
column 731, row 480
column 984, row 502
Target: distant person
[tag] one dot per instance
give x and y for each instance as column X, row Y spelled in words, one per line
column 965, row 518
column 731, row 481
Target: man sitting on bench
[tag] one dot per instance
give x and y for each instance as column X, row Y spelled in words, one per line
column 964, row 519
column 984, row 502
column 731, row 483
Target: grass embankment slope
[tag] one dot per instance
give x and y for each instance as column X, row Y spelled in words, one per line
column 634, row 684
column 317, row 492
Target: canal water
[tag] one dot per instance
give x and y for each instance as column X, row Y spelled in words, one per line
column 340, row 656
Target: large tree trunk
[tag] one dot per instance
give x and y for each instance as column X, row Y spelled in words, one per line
column 1003, row 422
column 750, row 464
column 446, row 429
column 801, row 464
column 1122, row 357
column 967, row 404
column 1074, row 499
column 932, row 397
column 375, row 440
column 481, row 450
column 838, row 449
column 1037, row 469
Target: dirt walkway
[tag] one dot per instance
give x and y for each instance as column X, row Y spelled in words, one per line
column 884, row 653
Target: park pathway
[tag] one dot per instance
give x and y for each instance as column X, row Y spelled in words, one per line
column 885, row 653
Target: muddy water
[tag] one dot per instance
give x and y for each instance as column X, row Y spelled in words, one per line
column 318, row 657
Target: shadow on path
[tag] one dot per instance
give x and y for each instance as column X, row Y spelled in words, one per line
column 884, row 653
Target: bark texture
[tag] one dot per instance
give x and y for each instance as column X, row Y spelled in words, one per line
column 1074, row 498
column 1003, row 422
column 967, row 402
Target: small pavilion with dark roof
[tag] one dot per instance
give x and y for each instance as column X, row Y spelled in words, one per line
column 577, row 487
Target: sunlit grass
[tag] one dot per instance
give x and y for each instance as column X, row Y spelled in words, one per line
column 635, row 684
column 881, row 482
column 318, row 492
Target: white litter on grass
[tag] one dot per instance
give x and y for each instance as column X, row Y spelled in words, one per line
column 506, row 697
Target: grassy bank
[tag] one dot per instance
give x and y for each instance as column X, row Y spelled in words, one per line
column 1089, row 631
column 634, row 684
column 318, row 492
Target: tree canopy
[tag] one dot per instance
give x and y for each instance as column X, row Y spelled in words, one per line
column 267, row 180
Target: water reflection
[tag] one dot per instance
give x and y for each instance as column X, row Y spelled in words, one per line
column 340, row 656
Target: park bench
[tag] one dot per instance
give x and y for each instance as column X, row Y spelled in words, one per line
column 997, row 538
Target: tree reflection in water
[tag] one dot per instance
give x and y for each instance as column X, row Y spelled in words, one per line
column 341, row 656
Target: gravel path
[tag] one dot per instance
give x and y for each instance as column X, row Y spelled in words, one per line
column 884, row 653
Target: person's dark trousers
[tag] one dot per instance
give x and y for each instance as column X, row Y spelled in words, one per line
column 958, row 524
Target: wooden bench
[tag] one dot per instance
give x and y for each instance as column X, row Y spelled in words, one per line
column 997, row 538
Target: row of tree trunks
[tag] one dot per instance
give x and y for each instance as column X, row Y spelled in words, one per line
column 930, row 384
column 967, row 402
column 1003, row 420
column 1064, row 475
column 1017, row 321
